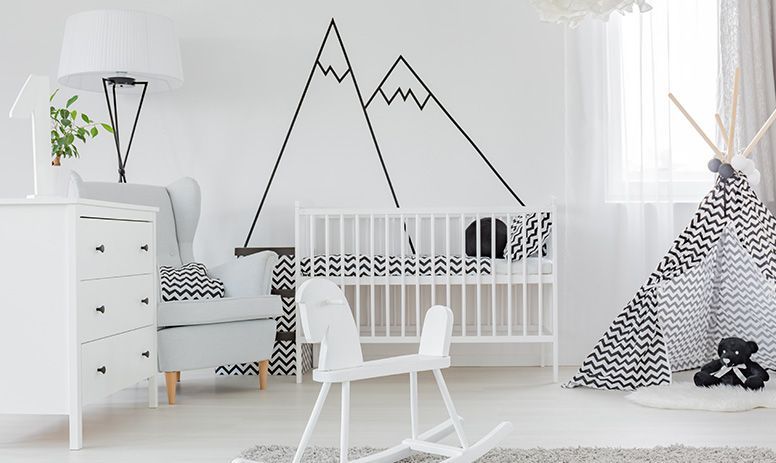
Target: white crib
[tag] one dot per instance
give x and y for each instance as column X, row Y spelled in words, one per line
column 393, row 264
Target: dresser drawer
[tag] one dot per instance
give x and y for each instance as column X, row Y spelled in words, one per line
column 110, row 248
column 114, row 305
column 114, row 363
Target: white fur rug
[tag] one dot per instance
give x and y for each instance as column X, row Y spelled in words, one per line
column 687, row 396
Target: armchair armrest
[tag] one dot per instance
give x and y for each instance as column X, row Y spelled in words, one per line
column 247, row 276
column 221, row 310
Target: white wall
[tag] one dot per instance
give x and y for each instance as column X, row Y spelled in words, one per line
column 498, row 70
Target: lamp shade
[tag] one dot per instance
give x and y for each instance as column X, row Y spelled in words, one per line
column 118, row 43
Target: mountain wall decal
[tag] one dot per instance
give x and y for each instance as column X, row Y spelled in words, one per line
column 354, row 129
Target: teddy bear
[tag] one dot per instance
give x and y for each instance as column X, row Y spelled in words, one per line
column 734, row 366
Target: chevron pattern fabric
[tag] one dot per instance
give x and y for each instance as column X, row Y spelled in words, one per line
column 283, row 361
column 526, row 243
column 363, row 265
column 717, row 280
column 188, row 283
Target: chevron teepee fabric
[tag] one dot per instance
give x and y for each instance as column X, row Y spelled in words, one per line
column 187, row 283
column 717, row 280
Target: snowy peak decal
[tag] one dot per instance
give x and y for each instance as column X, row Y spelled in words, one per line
column 349, row 131
column 402, row 81
column 332, row 59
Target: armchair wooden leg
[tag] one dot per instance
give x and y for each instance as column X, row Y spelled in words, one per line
column 178, row 374
column 171, row 379
column 263, row 373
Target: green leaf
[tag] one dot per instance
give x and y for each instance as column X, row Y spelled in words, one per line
column 85, row 118
column 69, row 139
column 73, row 114
column 94, row 132
column 71, row 101
column 81, row 137
column 64, row 114
column 66, row 122
column 53, row 95
column 107, row 127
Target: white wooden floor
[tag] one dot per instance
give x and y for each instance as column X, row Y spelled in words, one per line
column 217, row 417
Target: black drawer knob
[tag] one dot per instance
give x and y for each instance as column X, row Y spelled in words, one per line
column 146, row 354
column 100, row 248
column 144, row 301
column 102, row 370
column 144, row 247
column 100, row 309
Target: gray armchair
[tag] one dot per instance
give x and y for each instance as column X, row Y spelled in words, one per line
column 239, row 328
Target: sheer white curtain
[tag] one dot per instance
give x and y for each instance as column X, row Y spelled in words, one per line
column 748, row 41
column 635, row 169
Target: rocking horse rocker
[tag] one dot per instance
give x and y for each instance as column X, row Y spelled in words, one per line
column 327, row 318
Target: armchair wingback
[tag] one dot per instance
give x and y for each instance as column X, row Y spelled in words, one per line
column 238, row 328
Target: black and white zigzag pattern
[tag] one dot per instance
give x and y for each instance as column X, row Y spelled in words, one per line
column 717, row 280
column 366, row 265
column 283, row 276
column 283, row 361
column 188, row 283
column 533, row 234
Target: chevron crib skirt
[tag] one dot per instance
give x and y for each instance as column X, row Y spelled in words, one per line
column 283, row 361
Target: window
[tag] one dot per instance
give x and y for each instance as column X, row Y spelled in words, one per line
column 654, row 154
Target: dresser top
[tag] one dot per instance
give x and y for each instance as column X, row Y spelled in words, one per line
column 64, row 201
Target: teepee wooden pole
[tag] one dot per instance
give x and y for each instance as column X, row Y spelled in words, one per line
column 759, row 135
column 717, row 152
column 733, row 114
column 721, row 126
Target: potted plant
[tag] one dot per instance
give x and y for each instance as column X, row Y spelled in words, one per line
column 69, row 126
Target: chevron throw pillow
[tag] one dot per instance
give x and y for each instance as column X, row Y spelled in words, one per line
column 188, row 283
column 527, row 243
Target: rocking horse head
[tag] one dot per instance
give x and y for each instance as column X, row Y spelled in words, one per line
column 327, row 319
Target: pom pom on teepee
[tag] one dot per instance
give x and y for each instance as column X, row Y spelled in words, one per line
column 753, row 178
column 742, row 164
column 726, row 171
column 714, row 165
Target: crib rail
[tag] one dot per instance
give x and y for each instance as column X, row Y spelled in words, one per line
column 395, row 263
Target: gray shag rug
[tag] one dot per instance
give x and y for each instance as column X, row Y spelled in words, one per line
column 673, row 454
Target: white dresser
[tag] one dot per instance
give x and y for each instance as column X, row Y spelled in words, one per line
column 78, row 289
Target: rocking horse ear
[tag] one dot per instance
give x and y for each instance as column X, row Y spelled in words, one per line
column 753, row 346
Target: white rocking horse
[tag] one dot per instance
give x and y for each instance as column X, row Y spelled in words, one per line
column 327, row 318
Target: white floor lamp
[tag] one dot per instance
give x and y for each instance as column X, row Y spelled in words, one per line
column 109, row 50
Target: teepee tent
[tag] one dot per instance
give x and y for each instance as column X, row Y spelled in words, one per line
column 717, row 280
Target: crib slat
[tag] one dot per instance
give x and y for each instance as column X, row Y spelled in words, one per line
column 418, row 240
column 433, row 261
column 508, row 256
column 372, row 272
column 493, row 274
column 312, row 244
column 357, row 252
column 463, row 275
column 479, row 274
column 403, row 269
column 342, row 251
column 326, row 245
column 540, row 221
column 524, row 278
column 447, row 257
column 387, row 251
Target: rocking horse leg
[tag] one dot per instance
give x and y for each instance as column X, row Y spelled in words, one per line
column 345, row 422
column 308, row 430
column 414, row 403
column 440, row 380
